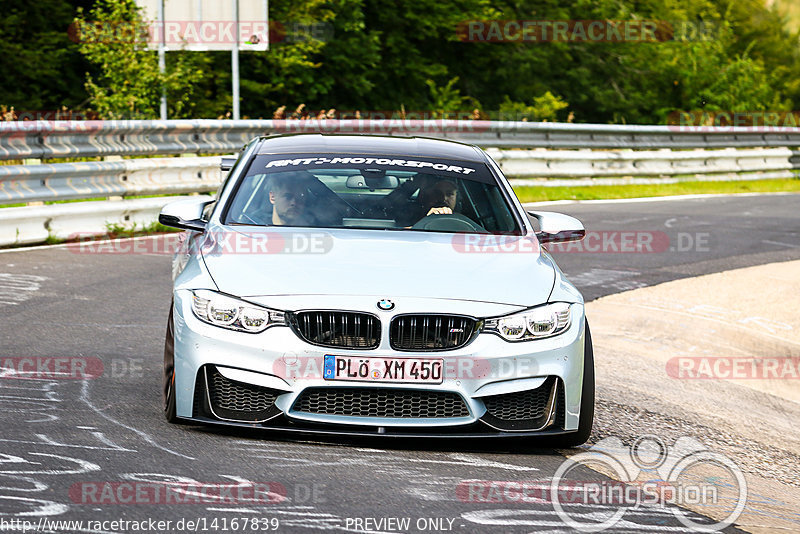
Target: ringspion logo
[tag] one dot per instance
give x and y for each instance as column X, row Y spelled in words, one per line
column 686, row 474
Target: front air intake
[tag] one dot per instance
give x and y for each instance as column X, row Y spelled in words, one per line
column 338, row 329
column 431, row 332
column 385, row 403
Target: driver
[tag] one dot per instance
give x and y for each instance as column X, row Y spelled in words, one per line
column 435, row 197
column 288, row 195
column 439, row 198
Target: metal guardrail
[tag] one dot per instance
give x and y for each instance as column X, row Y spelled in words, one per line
column 720, row 153
column 35, row 224
column 63, row 139
column 69, row 181
column 163, row 176
column 691, row 164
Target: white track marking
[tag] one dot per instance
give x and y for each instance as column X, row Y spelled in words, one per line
column 99, row 435
column 146, row 437
column 67, row 445
column 102, row 438
column 17, row 288
column 483, row 462
column 83, row 466
column 789, row 245
column 36, row 486
column 42, row 507
column 548, row 518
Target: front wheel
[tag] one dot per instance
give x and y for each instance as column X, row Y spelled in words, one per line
column 169, row 409
column 168, row 392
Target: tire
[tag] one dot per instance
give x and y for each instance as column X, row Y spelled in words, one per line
column 581, row 436
column 170, row 410
column 168, row 391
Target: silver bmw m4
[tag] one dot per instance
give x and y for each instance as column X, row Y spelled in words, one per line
column 372, row 285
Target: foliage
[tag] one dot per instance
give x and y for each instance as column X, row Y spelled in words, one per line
column 409, row 55
column 544, row 108
column 118, row 230
column 448, row 99
column 130, row 84
column 40, row 66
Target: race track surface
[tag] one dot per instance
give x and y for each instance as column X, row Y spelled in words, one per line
column 66, row 442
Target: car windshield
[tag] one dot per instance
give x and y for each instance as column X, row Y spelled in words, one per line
column 373, row 192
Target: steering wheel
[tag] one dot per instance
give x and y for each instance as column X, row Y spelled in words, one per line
column 454, row 222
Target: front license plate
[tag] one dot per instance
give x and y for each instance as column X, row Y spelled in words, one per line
column 416, row 370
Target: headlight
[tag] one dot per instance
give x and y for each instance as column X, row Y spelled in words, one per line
column 536, row 323
column 233, row 314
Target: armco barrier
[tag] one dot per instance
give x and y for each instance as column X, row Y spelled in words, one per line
column 777, row 162
column 551, row 150
column 35, row 224
column 68, row 181
column 62, row 139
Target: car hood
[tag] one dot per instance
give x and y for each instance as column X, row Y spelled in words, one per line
column 390, row 264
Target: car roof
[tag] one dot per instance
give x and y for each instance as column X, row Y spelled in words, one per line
column 369, row 144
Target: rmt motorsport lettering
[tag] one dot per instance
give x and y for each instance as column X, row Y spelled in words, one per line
column 371, row 161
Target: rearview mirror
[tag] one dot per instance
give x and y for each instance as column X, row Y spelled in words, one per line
column 372, row 182
column 557, row 227
column 186, row 213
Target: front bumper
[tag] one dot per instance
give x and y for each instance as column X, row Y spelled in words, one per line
column 278, row 360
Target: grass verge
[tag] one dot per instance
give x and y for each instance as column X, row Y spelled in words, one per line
column 528, row 193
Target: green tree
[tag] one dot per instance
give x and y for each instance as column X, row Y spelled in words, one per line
column 544, row 108
column 448, row 99
column 40, row 67
column 129, row 83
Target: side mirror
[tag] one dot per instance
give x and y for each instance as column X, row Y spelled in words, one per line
column 226, row 163
column 186, row 214
column 557, row 227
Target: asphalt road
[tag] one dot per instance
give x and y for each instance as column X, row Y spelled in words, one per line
column 67, row 446
column 684, row 238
